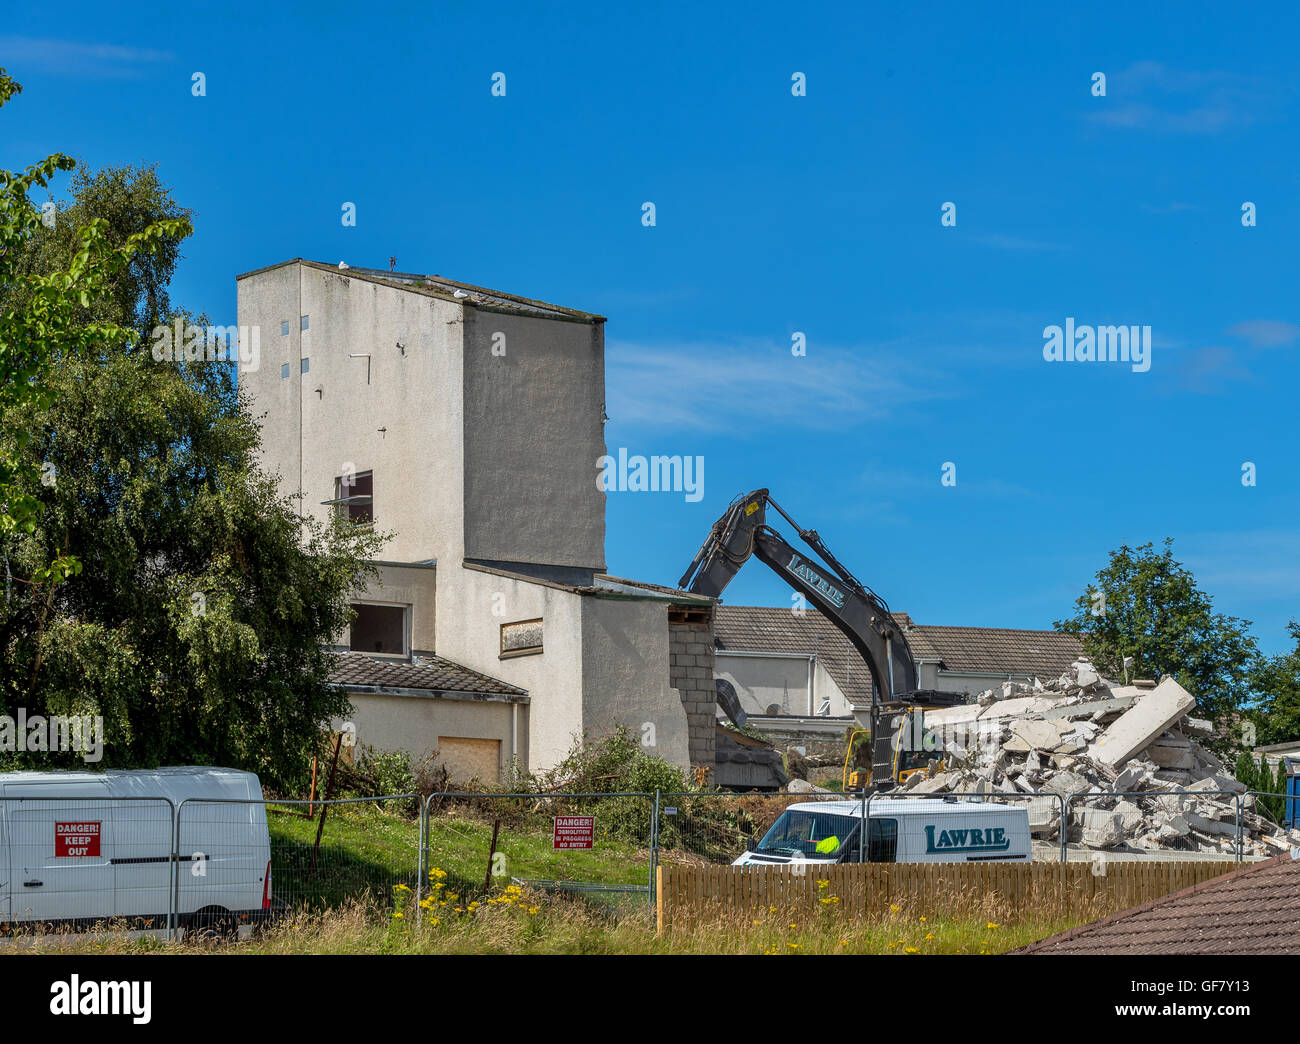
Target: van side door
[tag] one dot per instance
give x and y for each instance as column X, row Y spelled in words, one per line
column 60, row 851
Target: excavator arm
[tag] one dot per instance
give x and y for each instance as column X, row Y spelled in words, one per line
column 862, row 615
column 854, row 608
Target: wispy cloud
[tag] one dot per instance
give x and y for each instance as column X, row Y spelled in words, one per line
column 1015, row 243
column 751, row 386
column 73, row 58
column 1210, row 370
column 1152, row 96
column 1266, row 333
column 1174, row 207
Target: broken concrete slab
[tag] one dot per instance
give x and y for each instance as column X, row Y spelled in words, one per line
column 1016, row 708
column 1130, row 779
column 1067, row 783
column 1134, row 730
column 1037, row 733
column 1171, row 752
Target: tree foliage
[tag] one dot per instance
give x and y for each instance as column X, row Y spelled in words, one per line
column 1277, row 681
column 1146, row 605
column 197, row 623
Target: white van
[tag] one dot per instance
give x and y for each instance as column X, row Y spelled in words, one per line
column 903, row 830
column 77, row 848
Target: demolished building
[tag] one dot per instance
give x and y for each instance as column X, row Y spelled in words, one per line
column 1128, row 756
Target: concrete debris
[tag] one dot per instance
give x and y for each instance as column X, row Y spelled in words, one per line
column 1134, row 730
column 1115, row 751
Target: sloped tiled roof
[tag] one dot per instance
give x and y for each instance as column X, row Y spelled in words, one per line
column 1252, row 911
column 980, row 650
column 996, row 650
column 432, row 673
column 760, row 628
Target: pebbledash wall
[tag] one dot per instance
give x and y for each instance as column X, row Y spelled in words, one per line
column 480, row 417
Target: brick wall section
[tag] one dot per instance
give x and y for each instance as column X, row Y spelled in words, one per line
column 690, row 671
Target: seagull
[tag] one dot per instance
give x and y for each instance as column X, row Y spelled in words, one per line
column 342, row 265
column 460, row 293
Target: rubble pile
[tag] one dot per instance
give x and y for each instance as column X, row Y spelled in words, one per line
column 1081, row 733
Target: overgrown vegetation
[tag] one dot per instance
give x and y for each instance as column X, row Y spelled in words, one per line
column 517, row 921
column 153, row 576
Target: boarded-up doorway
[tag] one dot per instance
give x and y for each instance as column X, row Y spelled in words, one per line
column 467, row 759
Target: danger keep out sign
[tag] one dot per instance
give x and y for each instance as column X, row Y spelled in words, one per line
column 76, row 839
column 574, row 831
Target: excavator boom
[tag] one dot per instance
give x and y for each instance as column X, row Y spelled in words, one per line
column 862, row 615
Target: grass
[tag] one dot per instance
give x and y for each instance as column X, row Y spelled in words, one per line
column 523, row 923
column 366, row 852
column 359, row 899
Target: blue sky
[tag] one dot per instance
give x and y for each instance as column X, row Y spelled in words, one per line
column 777, row 214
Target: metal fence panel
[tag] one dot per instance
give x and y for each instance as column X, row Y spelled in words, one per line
column 593, row 846
column 318, row 855
column 713, row 828
column 79, row 862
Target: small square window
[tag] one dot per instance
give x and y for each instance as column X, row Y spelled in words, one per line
column 305, row 366
column 284, row 371
column 304, row 323
column 378, row 629
column 284, row 328
column 521, row 639
column 354, row 496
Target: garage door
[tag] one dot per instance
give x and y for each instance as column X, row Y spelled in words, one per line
column 467, row 759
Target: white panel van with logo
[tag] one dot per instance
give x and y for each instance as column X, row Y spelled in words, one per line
column 79, row 848
column 912, row 830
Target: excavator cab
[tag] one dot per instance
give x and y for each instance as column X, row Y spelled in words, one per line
column 902, row 746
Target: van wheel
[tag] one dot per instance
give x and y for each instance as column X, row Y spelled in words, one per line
column 212, row 924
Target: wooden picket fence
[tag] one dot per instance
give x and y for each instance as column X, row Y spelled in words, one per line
column 1044, row 889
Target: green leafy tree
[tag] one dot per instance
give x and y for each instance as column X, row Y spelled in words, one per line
column 46, row 319
column 1146, row 605
column 1277, row 683
column 198, row 622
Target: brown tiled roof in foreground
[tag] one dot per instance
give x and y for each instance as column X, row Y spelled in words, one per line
column 980, row 650
column 432, row 673
column 1255, row 910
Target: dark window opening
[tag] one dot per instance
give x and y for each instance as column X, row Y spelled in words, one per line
column 379, row 629
column 354, row 495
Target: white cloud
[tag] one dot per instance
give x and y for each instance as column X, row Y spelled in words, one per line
column 1153, row 96
column 750, row 386
column 72, row 58
column 1266, row 333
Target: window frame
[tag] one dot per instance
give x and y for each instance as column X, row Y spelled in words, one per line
column 529, row 650
column 406, row 611
column 340, row 501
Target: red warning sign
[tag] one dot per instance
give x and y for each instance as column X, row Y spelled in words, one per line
column 72, row 840
column 574, row 832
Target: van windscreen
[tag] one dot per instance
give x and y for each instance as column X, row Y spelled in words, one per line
column 814, row 835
